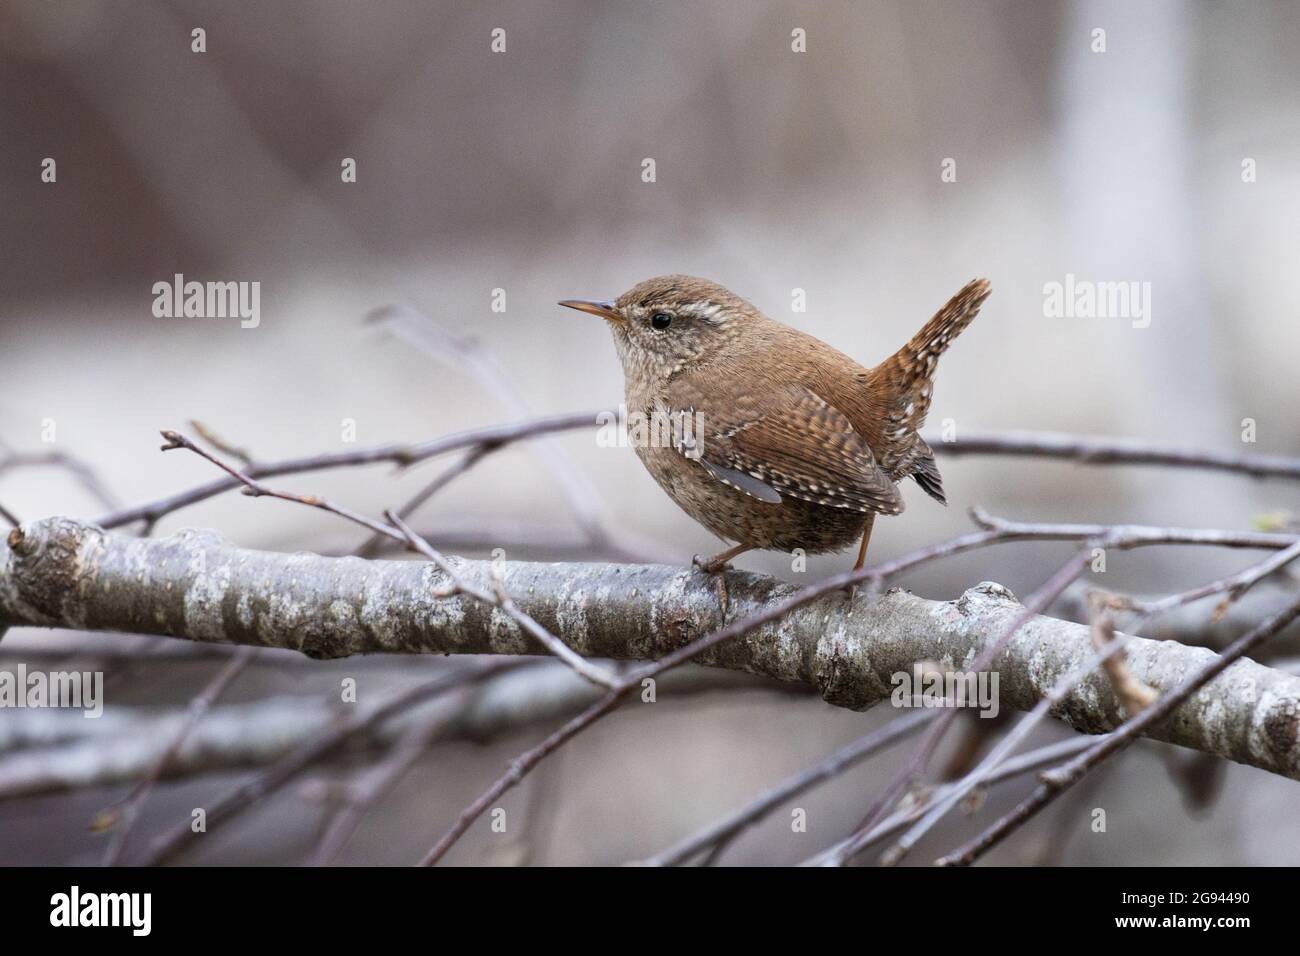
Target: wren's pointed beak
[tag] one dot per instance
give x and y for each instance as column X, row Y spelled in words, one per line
column 606, row 310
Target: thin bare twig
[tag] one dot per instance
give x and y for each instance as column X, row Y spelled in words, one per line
column 440, row 481
column 362, row 794
column 1099, row 450
column 124, row 815
column 401, row 455
column 241, row 455
column 983, row 771
column 82, row 472
column 255, row 489
column 166, row 846
column 1033, row 444
column 1057, row 781
column 900, row 818
column 723, row 831
column 1126, row 536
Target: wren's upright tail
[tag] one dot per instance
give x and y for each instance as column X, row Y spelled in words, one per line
column 904, row 382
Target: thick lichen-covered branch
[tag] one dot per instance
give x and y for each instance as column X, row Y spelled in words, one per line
column 194, row 585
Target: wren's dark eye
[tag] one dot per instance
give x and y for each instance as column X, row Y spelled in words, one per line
column 661, row 320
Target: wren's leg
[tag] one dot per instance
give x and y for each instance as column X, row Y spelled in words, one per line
column 866, row 537
column 852, row 589
column 719, row 561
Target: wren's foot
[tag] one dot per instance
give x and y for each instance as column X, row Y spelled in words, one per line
column 719, row 562
column 710, row 565
column 716, row 565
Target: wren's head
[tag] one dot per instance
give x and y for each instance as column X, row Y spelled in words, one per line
column 668, row 323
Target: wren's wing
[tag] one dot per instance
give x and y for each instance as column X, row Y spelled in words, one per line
column 784, row 441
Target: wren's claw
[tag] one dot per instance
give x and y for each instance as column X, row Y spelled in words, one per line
column 715, row 566
column 719, row 562
column 711, row 565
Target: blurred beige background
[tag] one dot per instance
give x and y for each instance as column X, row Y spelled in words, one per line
column 775, row 171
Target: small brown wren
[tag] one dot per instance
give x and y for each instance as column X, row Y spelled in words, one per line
column 799, row 446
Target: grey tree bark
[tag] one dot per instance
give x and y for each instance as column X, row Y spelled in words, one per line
column 59, row 572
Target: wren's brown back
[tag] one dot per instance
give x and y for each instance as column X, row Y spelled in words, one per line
column 802, row 419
